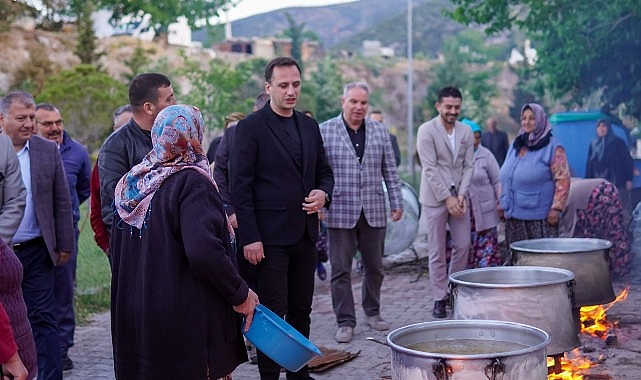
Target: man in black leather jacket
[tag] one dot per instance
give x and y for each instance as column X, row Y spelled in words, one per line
column 149, row 93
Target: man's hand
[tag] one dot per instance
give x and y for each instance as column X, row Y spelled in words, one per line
column 396, row 215
column 63, row 257
column 314, row 201
column 247, row 308
column 254, row 252
column 454, row 206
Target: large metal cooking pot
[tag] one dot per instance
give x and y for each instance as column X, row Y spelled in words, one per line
column 587, row 258
column 535, row 296
column 501, row 350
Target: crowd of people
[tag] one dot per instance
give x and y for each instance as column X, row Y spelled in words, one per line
column 239, row 224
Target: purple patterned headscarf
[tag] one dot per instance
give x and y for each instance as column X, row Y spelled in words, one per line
column 176, row 136
column 542, row 125
column 538, row 138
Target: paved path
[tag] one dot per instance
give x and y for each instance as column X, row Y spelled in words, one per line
column 405, row 300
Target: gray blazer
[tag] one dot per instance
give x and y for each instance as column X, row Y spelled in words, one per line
column 441, row 166
column 51, row 196
column 12, row 191
column 359, row 186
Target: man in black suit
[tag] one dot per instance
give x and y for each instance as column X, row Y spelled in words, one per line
column 280, row 178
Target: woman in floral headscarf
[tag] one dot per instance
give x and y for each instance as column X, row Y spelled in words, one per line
column 176, row 294
column 535, row 180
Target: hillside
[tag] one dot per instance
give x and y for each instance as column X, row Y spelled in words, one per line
column 351, row 23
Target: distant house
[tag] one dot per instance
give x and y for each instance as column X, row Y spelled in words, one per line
column 374, row 48
column 266, row 47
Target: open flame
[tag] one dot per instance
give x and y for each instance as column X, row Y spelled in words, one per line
column 594, row 323
column 593, row 318
column 571, row 369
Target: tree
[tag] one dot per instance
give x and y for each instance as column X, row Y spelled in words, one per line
column 464, row 65
column 86, row 98
column 167, row 11
column 323, row 91
column 298, row 34
column 583, row 47
column 216, row 90
column 86, row 46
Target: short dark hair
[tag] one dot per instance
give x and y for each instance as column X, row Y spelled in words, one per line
column 376, row 112
column 47, row 107
column 16, row 96
column 449, row 92
column 279, row 62
column 261, row 100
column 122, row 109
column 144, row 88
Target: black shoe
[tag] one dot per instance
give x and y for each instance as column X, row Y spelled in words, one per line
column 439, row 309
column 67, row 363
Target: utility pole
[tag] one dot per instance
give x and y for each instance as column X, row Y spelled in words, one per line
column 410, row 94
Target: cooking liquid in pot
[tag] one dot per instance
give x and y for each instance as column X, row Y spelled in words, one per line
column 466, row 347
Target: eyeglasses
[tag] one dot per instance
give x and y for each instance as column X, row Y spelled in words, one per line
column 51, row 123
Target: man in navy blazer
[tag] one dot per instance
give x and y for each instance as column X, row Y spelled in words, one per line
column 45, row 236
column 280, row 178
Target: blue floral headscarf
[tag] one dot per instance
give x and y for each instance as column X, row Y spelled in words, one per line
column 177, row 137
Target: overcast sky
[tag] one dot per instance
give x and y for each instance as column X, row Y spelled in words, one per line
column 248, row 8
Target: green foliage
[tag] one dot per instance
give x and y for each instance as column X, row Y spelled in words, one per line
column 295, row 33
column 86, row 98
column 32, row 76
column 217, row 90
column 86, row 46
column 93, row 274
column 324, row 90
column 167, row 11
column 138, row 61
column 583, row 47
column 464, row 66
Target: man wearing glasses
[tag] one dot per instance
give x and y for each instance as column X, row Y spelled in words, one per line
column 75, row 158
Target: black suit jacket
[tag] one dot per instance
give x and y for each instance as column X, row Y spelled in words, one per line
column 267, row 186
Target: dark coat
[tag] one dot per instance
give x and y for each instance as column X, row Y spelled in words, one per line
column 268, row 188
column 221, row 168
column 120, row 152
column 616, row 165
column 173, row 287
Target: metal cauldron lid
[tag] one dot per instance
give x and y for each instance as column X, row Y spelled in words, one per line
column 561, row 245
column 510, row 277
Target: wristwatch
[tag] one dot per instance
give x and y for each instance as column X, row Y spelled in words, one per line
column 327, row 198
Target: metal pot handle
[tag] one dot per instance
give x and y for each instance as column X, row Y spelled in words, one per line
column 495, row 369
column 571, row 285
column 511, row 257
column 441, row 370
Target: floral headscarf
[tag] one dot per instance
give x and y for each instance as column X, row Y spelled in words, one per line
column 176, row 137
column 538, row 138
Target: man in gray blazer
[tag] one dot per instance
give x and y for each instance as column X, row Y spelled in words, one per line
column 45, row 236
column 360, row 153
column 12, row 191
column 445, row 147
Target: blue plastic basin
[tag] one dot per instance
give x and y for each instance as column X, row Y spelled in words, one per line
column 279, row 340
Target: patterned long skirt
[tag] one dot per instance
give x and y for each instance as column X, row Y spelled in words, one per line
column 604, row 218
